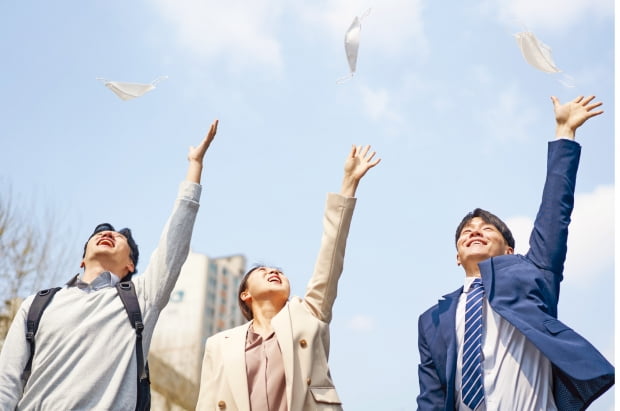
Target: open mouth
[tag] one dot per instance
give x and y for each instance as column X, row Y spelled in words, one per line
column 476, row 242
column 274, row 279
column 106, row 242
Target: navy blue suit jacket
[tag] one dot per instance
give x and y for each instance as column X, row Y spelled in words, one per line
column 524, row 290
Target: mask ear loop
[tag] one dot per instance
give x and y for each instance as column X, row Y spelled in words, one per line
column 158, row 79
column 355, row 25
column 567, row 81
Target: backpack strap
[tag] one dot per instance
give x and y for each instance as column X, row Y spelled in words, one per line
column 39, row 304
column 127, row 292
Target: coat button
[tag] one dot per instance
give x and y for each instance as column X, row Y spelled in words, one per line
column 221, row 405
column 303, row 343
column 309, row 380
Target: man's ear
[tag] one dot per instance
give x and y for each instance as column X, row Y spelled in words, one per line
column 82, row 265
column 458, row 259
column 131, row 267
column 509, row 250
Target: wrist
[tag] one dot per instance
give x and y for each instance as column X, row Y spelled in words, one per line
column 194, row 171
column 564, row 131
column 349, row 186
column 195, row 162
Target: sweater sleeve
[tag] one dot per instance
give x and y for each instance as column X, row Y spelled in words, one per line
column 13, row 358
column 166, row 261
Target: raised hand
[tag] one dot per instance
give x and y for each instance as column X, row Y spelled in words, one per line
column 358, row 162
column 570, row 116
column 196, row 154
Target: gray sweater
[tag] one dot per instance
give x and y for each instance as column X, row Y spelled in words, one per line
column 85, row 346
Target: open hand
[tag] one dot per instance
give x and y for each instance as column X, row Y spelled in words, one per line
column 197, row 153
column 570, row 116
column 358, row 162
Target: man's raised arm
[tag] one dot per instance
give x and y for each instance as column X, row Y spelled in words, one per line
column 550, row 234
column 197, row 154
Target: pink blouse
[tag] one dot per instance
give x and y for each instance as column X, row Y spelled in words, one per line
column 265, row 370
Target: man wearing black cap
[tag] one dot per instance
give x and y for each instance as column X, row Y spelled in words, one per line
column 85, row 356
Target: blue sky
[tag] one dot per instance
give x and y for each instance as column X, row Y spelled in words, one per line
column 442, row 93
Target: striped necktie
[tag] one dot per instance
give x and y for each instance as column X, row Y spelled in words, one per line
column 471, row 386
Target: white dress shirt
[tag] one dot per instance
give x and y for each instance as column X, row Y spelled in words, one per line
column 516, row 375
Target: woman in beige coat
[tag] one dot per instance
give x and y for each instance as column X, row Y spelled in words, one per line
column 277, row 361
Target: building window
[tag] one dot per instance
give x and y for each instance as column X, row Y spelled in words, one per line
column 177, row 296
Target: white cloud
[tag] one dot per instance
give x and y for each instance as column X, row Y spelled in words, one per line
column 244, row 32
column 591, row 238
column 521, row 228
column 377, row 104
column 509, row 117
column 554, row 15
column 362, row 323
column 591, row 234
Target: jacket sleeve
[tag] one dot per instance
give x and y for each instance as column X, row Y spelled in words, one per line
column 432, row 393
column 322, row 287
column 550, row 233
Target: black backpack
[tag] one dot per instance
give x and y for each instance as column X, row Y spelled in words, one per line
column 127, row 293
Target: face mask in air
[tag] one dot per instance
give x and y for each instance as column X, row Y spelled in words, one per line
column 351, row 45
column 126, row 91
column 538, row 55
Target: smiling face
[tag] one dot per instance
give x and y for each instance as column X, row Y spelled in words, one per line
column 265, row 283
column 112, row 249
column 478, row 241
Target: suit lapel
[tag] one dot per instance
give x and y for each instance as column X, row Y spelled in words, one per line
column 447, row 328
column 447, row 316
column 236, row 371
column 281, row 324
column 488, row 279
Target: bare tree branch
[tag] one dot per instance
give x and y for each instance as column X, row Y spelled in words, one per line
column 34, row 252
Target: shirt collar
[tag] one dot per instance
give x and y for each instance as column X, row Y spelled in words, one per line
column 103, row 280
column 467, row 284
column 253, row 338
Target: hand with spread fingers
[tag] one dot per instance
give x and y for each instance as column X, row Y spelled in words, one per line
column 358, row 162
column 570, row 116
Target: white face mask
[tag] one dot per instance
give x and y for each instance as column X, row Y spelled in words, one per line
column 538, row 54
column 127, row 91
column 535, row 52
column 352, row 43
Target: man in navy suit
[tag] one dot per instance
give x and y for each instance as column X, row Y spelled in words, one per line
column 528, row 360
